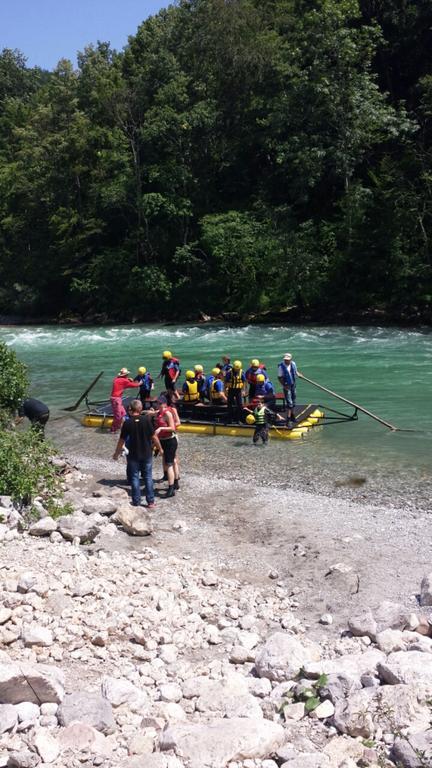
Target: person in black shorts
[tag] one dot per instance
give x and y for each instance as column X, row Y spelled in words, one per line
column 36, row 412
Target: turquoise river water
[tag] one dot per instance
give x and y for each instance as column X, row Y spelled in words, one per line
column 387, row 370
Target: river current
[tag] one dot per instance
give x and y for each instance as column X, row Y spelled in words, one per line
column 387, row 370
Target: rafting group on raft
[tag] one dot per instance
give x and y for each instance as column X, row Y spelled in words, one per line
column 228, row 385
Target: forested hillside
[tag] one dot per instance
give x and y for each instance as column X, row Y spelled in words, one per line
column 239, row 156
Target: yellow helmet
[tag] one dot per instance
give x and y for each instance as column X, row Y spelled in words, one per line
column 215, row 371
column 198, row 368
column 255, row 363
column 190, row 374
column 142, row 370
column 250, row 418
column 260, row 378
column 237, row 364
column 166, row 355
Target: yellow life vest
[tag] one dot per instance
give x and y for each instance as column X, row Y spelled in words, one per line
column 235, row 381
column 192, row 394
column 214, row 394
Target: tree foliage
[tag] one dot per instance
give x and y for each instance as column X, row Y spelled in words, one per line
column 237, row 157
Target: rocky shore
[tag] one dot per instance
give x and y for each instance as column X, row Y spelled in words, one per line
column 116, row 653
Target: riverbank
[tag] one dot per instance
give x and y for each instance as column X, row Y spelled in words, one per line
column 375, row 317
column 182, row 648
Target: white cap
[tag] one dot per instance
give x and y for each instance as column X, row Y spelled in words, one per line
column 287, row 356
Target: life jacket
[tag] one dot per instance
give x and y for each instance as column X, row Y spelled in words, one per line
column 214, row 394
column 161, row 422
column 260, row 389
column 172, row 367
column 288, row 373
column 268, row 388
column 260, row 415
column 146, row 382
column 192, row 393
column 235, row 380
column 201, row 381
column 208, row 382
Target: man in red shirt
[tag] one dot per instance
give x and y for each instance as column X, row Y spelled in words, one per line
column 120, row 383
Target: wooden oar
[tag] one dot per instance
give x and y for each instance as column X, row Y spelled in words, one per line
column 354, row 405
column 84, row 394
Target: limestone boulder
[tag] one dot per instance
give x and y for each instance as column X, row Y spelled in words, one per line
column 101, row 505
column 87, row 707
column 229, row 698
column 120, row 691
column 409, row 667
column 81, row 737
column 8, row 717
column 413, row 752
column 46, row 745
column 34, row 634
column 389, row 707
column 354, row 665
column 363, row 624
column 391, row 615
column 37, row 683
column 134, row 520
column 205, row 745
column 426, row 590
column 78, row 526
column 283, row 656
column 43, row 527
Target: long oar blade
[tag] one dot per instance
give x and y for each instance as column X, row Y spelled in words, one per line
column 84, row 394
column 355, row 405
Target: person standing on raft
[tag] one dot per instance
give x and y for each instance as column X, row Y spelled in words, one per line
column 170, row 372
column 235, row 382
column 287, row 374
column 120, row 383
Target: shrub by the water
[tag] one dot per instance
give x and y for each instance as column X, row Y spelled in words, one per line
column 25, row 467
column 13, row 380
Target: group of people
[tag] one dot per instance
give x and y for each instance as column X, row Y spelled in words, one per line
column 151, row 424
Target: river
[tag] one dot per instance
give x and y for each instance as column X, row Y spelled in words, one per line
column 387, row 370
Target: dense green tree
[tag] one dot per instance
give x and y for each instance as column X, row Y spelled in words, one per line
column 237, row 157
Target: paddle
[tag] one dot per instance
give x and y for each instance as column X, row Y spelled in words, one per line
column 84, row 394
column 355, row 405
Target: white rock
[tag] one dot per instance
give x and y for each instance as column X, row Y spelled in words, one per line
column 229, row 698
column 46, row 745
column 283, row 656
column 33, row 634
column 80, row 737
column 100, row 505
column 27, row 710
column 120, row 691
column 390, row 640
column 43, row 527
column 326, row 619
column 170, row 692
column 220, row 741
column 354, row 665
column 8, row 717
column 408, row 667
column 89, row 707
column 5, row 615
column 324, row 710
column 134, row 520
column 294, row 711
column 26, row 581
column 389, row 708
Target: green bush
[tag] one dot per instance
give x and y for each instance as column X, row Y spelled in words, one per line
column 25, row 467
column 13, row 379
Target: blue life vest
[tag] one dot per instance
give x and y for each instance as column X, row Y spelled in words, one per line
column 208, row 382
column 260, row 389
column 268, row 388
column 288, row 376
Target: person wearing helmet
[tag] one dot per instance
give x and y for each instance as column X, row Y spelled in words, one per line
column 263, row 416
column 201, row 381
column 217, row 394
column 235, row 381
column 146, row 385
column 210, row 378
column 121, row 382
column 287, row 374
column 226, row 365
column 190, row 388
column 170, row 372
column 255, row 369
